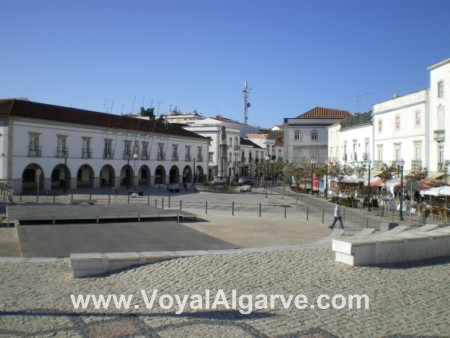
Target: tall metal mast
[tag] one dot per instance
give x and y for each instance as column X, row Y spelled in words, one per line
column 246, row 91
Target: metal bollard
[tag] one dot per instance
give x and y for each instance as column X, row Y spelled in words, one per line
column 285, row 211
column 206, row 207
column 181, row 205
column 307, row 213
column 148, row 199
column 323, row 216
column 232, row 208
column 109, row 199
column 259, row 209
column 169, row 202
column 162, row 203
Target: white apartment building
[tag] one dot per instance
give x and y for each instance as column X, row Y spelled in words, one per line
column 183, row 118
column 49, row 147
column 306, row 136
column 211, row 128
column 400, row 131
column 439, row 123
column 351, row 140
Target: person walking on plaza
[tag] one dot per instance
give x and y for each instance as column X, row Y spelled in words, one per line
column 11, row 195
column 337, row 216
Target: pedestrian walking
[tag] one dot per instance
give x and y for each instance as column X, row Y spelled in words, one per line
column 337, row 216
column 11, row 195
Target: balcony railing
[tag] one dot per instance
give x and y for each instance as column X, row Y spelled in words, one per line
column 200, row 158
column 187, row 157
column 160, row 156
column 86, row 152
column 62, row 152
column 174, row 157
column 145, row 155
column 108, row 154
column 416, row 165
column 439, row 135
column 378, row 165
column 34, row 151
column 236, row 147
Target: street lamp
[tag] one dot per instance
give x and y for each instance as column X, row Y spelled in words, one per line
column 193, row 175
column 400, row 164
column 135, row 157
column 368, row 163
column 326, row 180
column 65, row 170
column 313, row 168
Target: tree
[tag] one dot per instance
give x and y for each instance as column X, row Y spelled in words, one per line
column 149, row 112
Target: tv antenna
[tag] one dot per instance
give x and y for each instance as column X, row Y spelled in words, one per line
column 246, row 92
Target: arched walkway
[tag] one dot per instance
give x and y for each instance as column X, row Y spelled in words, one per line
column 187, row 174
column 174, row 174
column 61, row 177
column 85, row 177
column 30, row 177
column 144, row 175
column 160, row 175
column 107, row 175
column 126, row 176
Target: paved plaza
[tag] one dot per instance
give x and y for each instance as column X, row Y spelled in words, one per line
column 408, row 300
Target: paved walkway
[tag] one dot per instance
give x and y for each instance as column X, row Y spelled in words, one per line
column 410, row 300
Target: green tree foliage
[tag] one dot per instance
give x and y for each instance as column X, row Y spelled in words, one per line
column 149, row 112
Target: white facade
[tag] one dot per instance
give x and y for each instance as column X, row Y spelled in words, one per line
column 334, row 143
column 60, row 154
column 439, row 151
column 306, row 137
column 233, row 148
column 244, row 129
column 400, row 127
column 356, row 137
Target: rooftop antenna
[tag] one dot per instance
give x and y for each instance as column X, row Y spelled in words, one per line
column 246, row 91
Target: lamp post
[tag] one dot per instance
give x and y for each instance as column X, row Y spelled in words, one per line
column 400, row 164
column 313, row 168
column 135, row 157
column 368, row 163
column 65, row 171
column 326, row 180
column 193, row 174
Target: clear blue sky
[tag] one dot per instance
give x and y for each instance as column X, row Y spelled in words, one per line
column 104, row 55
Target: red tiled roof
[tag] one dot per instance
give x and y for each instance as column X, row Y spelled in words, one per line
column 325, row 113
column 41, row 111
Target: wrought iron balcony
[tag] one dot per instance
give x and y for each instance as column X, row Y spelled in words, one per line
column 439, row 135
column 86, row 152
column 34, row 151
column 62, row 152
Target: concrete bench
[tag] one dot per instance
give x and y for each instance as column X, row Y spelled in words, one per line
column 83, row 201
column 395, row 246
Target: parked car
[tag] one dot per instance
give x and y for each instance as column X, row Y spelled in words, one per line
column 247, row 180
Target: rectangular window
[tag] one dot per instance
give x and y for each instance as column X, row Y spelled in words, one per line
column 380, row 153
column 127, row 150
column 61, row 149
column 108, row 151
column 397, row 151
column 397, row 122
column 161, row 156
column 297, row 135
column 174, row 152
column 418, row 119
column 380, row 125
column 441, row 89
column 211, row 157
column 86, row 150
column 144, row 154
column 187, row 156
column 314, row 135
column 200, row 154
column 34, row 150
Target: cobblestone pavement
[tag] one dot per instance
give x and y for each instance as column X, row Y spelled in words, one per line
column 410, row 300
column 405, row 300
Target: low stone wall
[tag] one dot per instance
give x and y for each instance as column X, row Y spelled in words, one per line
column 224, row 188
column 394, row 246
